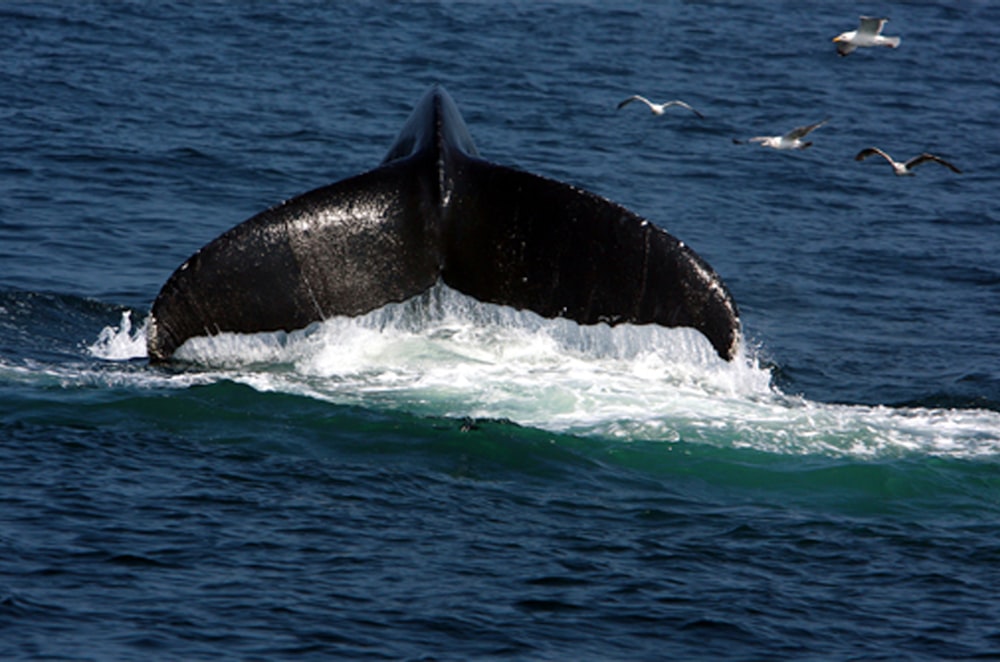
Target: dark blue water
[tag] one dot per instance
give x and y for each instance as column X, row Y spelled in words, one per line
column 448, row 480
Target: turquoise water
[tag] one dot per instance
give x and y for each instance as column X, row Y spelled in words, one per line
column 451, row 480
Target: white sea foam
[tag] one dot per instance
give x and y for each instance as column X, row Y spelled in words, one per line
column 444, row 354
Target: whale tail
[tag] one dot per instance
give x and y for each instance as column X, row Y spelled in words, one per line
column 433, row 210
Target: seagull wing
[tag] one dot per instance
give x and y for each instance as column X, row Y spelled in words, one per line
column 870, row 151
column 678, row 102
column 635, row 97
column 871, row 25
column 917, row 160
column 800, row 131
column 845, row 48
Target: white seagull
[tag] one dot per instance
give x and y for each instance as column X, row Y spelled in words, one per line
column 869, row 33
column 791, row 140
column 904, row 169
column 658, row 108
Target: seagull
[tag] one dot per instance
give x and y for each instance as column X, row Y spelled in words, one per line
column 869, row 33
column 791, row 140
column 658, row 108
column 904, row 169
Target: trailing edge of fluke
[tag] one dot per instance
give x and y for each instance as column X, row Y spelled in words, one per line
column 434, row 210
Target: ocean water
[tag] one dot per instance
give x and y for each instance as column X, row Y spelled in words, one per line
column 445, row 479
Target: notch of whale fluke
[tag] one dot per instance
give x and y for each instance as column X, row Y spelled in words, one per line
column 434, row 210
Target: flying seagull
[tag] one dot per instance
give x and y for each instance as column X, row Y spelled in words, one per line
column 791, row 140
column 904, row 169
column 869, row 33
column 658, row 108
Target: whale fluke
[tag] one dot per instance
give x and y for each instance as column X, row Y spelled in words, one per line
column 434, row 210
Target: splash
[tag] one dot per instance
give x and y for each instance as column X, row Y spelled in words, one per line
column 445, row 354
column 122, row 342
